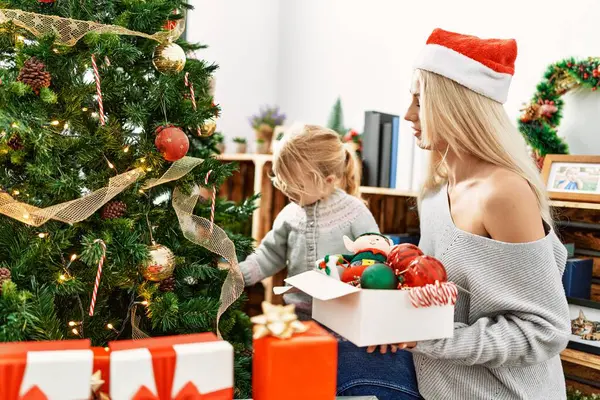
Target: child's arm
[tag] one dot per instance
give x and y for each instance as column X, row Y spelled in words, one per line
column 364, row 223
column 270, row 256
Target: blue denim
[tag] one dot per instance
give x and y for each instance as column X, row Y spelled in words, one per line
column 388, row 376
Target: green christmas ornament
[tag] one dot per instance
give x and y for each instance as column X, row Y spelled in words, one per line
column 378, row 276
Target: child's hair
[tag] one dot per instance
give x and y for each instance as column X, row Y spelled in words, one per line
column 315, row 153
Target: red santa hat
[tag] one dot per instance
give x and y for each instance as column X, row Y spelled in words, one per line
column 485, row 66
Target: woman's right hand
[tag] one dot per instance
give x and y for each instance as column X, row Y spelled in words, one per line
column 394, row 347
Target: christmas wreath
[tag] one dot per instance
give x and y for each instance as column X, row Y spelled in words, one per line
column 541, row 117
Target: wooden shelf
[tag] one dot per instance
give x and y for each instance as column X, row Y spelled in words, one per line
column 246, row 157
column 387, row 191
column 574, row 204
column 581, row 358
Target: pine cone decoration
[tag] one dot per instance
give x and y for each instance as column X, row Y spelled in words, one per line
column 4, row 276
column 35, row 75
column 167, row 285
column 114, row 209
column 15, row 142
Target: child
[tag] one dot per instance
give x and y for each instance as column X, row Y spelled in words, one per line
column 321, row 177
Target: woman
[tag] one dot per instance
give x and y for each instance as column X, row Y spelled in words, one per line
column 484, row 213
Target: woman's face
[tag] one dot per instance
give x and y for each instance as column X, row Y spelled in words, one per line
column 412, row 115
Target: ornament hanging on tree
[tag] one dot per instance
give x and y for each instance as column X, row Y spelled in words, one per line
column 114, row 209
column 34, row 75
column 172, row 142
column 208, row 128
column 4, row 276
column 169, row 58
column 15, row 142
column 160, row 265
column 171, row 23
column 46, row 4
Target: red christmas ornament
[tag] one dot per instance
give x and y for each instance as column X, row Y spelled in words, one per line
column 401, row 255
column 172, row 142
column 585, row 76
column 595, row 73
column 46, row 1
column 424, row 270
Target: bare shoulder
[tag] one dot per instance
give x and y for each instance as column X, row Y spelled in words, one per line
column 510, row 208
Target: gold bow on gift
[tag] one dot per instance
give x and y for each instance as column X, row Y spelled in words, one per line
column 279, row 321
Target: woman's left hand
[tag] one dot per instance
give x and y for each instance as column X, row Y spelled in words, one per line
column 394, row 347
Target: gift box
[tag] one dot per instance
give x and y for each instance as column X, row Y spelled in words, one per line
column 371, row 317
column 102, row 367
column 301, row 367
column 577, row 278
column 45, row 370
column 190, row 367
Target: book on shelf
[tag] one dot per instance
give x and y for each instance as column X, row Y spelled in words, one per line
column 377, row 149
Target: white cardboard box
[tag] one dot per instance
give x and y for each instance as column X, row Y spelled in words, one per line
column 371, row 317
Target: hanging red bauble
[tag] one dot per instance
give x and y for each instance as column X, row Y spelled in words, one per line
column 401, row 255
column 171, row 24
column 46, row 2
column 424, row 270
column 172, row 142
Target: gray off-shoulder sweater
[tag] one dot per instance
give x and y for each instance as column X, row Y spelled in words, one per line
column 511, row 325
column 303, row 235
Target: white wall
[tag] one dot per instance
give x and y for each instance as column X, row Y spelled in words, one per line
column 302, row 54
column 243, row 41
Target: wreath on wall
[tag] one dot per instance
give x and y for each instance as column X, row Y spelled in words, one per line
column 541, row 117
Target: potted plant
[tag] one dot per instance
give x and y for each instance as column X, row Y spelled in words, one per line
column 261, row 146
column 264, row 123
column 241, row 145
column 220, row 142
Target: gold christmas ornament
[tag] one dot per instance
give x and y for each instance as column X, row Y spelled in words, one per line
column 160, row 265
column 208, row 128
column 279, row 321
column 168, row 58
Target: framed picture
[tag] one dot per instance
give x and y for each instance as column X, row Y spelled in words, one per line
column 585, row 325
column 573, row 178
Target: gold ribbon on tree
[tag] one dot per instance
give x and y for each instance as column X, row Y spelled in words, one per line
column 278, row 321
column 69, row 31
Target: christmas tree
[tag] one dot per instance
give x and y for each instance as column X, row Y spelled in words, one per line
column 97, row 103
column 336, row 118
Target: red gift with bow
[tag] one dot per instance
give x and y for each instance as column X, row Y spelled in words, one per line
column 45, row 370
column 185, row 367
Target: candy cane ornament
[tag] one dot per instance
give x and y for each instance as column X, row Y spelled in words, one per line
column 98, row 276
column 213, row 201
column 98, row 90
column 189, row 84
column 440, row 294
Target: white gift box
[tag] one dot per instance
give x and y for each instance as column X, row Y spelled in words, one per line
column 369, row 317
column 165, row 366
column 49, row 370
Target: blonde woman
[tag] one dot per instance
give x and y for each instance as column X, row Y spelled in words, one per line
column 484, row 213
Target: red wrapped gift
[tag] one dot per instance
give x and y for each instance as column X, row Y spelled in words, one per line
column 286, row 351
column 45, row 370
column 185, row 367
column 102, row 366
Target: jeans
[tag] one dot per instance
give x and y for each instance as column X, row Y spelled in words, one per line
column 389, row 376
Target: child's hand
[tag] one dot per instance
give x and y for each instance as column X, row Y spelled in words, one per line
column 394, row 347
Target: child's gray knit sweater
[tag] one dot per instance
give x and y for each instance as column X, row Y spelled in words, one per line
column 511, row 326
column 303, row 235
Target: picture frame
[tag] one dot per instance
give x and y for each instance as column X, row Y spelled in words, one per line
column 585, row 325
column 572, row 177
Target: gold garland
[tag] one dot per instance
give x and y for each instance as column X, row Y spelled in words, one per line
column 69, row 31
column 204, row 233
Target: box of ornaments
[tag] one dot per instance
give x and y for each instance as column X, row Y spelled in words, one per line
column 379, row 294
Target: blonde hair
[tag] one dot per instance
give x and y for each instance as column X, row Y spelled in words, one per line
column 471, row 124
column 315, row 153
